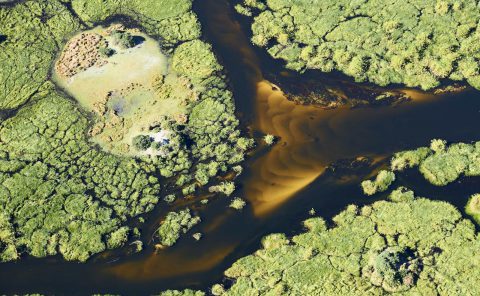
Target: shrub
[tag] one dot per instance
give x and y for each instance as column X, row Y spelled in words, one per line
column 409, row 159
column 237, row 203
column 118, row 238
column 169, row 198
column 123, row 39
column 380, row 42
column 269, row 139
column 401, row 194
column 473, row 207
column 174, row 225
column 106, row 51
column 142, row 142
column 369, row 187
column 384, row 247
column 217, row 290
column 383, row 180
column 394, row 269
column 438, row 145
column 226, row 188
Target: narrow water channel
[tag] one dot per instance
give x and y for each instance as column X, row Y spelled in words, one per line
column 281, row 183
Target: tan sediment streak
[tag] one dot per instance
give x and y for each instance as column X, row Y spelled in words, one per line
column 285, row 169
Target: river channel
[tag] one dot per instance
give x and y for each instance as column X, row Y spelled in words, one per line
column 317, row 163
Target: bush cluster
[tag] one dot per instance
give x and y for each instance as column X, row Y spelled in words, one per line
column 412, row 43
column 175, row 224
column 417, row 247
column 381, row 183
column 59, row 194
column 30, row 47
column 441, row 164
column 473, row 207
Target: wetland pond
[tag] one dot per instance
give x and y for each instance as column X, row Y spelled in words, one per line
column 281, row 183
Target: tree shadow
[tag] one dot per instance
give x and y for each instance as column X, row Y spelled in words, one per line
column 137, row 40
column 3, row 38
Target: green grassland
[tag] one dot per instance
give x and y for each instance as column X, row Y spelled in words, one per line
column 59, row 192
column 415, row 43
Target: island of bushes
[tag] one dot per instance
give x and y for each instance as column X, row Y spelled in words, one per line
column 406, row 245
column 60, row 193
column 417, row 44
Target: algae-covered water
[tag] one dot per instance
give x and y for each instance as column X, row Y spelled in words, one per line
column 282, row 183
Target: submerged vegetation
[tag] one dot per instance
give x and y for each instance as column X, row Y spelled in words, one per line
column 60, row 193
column 417, row 44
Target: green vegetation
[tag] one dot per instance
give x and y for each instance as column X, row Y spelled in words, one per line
column 416, row 247
column 123, row 39
column 169, row 198
column 394, row 269
column 106, row 52
column 409, row 159
column 269, row 139
column 237, row 203
column 473, row 207
column 441, row 164
column 217, row 290
column 172, row 20
column 381, row 183
column 415, row 43
column 60, row 193
column 401, row 194
column 142, row 142
column 174, row 225
column 226, row 188
column 197, row 236
column 30, row 47
column 187, row 292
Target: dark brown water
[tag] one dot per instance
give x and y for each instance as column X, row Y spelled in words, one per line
column 281, row 183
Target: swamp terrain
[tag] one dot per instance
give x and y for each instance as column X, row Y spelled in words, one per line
column 150, row 146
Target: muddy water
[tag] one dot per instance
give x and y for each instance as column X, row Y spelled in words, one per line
column 282, row 183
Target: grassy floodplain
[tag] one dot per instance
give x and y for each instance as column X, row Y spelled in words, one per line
column 415, row 43
column 60, row 192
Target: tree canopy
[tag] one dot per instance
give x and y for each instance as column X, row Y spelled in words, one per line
column 59, row 192
column 443, row 164
column 415, row 43
column 414, row 247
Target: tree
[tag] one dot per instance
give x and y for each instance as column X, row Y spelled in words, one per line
column 381, row 183
column 105, row 51
column 269, row 139
column 142, row 142
column 123, row 39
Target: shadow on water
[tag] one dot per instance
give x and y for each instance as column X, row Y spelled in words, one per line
column 281, row 183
